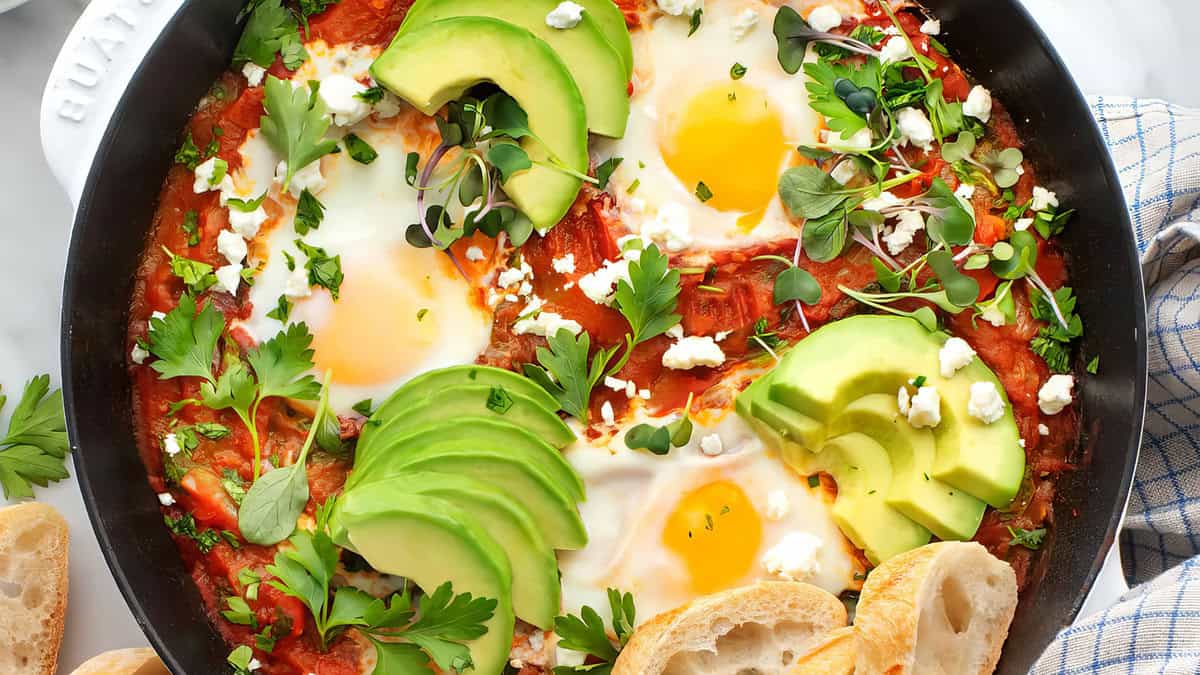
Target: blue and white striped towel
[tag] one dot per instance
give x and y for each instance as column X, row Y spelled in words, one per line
column 1156, row 626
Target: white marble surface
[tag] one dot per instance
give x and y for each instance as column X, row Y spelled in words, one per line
column 1134, row 47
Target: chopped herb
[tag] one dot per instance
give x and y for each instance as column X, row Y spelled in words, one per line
column 185, row 526
column 737, row 71
column 372, row 95
column 188, row 154
column 240, row 659
column 410, row 168
column 919, row 381
column 213, row 431
column 363, row 407
column 295, row 123
column 1030, row 539
column 421, row 313
column 703, row 193
column 564, row 370
column 35, row 446
column 283, row 310
column 271, row 30
column 237, row 611
column 694, row 22
column 244, row 205
column 234, row 485
column 309, row 213
column 814, row 481
column 191, row 226
column 605, row 169
column 1093, row 366
column 499, row 401
column 586, row 633
column 197, row 276
column 659, row 440
column 323, row 270
column 360, row 150
column 633, row 186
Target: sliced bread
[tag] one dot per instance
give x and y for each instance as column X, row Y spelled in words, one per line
column 139, row 661
column 33, row 588
column 760, row 629
column 831, row 655
column 941, row 608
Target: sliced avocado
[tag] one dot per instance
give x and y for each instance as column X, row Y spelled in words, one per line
column 594, row 63
column 793, row 454
column 436, row 63
column 863, row 473
column 422, row 385
column 552, row 508
column 946, row 511
column 535, row 585
column 611, row 22
column 870, row 354
column 788, row 423
column 400, row 436
column 432, row 541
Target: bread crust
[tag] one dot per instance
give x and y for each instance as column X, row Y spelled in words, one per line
column 34, row 545
column 801, row 612
column 833, row 655
column 944, row 607
column 135, row 661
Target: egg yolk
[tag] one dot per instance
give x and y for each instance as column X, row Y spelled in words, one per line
column 372, row 333
column 729, row 138
column 717, row 532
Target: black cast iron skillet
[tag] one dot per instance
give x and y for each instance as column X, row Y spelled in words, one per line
column 995, row 40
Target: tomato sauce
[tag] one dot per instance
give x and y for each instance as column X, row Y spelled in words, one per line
column 730, row 293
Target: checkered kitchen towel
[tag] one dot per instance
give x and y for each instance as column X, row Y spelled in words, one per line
column 1156, row 626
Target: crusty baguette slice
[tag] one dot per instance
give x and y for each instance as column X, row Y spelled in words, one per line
column 139, row 661
column 33, row 588
column 941, row 608
column 755, row 629
column 832, row 655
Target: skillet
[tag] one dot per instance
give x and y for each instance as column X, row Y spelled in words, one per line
column 997, row 41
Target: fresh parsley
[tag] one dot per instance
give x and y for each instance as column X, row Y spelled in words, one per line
column 829, row 93
column 309, row 213
column 359, row 150
column 185, row 526
column 197, row 276
column 1030, row 539
column 605, row 169
column 363, row 407
column 323, row 270
column 737, row 71
column 499, row 400
column 270, row 30
column 35, row 447
column 586, row 633
column 188, row 154
column 703, row 192
column 793, row 35
column 1053, row 341
column 564, row 370
column 649, row 298
column 295, row 124
column 694, row 21
column 372, row 95
column 239, row 659
column 191, row 226
column 283, row 310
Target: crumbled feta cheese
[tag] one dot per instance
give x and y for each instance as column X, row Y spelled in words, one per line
column 138, row 355
column 845, row 172
column 546, row 323
column 907, row 226
column 1055, row 394
column 675, row 332
column 954, row 355
column 307, row 178
column 915, row 128
column 166, row 499
column 669, row 228
column 565, row 15
column 1022, row 224
column 931, row 27
column 644, row 394
column 565, row 264
column 474, row 253
column 511, row 297
column 568, row 286
column 926, row 408
column 744, row 24
column 693, row 351
column 994, row 316
column 600, row 286
column 794, row 557
column 721, row 335
column 212, row 174
column 510, row 277
column 895, row 49
column 883, row 201
column 1043, row 430
column 903, row 400
column 525, row 289
column 247, row 223
column 297, row 283
column 615, row 383
column 254, row 73
column 824, row 18
column 171, row 445
column 891, row 30
column 254, row 664
column 985, row 403
column 630, row 389
column 711, row 445
column 1043, row 198
column 979, row 104
column 778, row 505
column 229, row 277
column 606, row 413
column 231, row 245
column 680, row 7
column 860, row 140
column 965, row 191
column 338, row 92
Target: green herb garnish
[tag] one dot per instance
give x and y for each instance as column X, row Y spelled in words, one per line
column 586, row 633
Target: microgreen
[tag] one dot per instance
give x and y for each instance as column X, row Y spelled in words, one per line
column 586, row 633
column 33, row 450
column 295, row 124
column 1000, row 308
column 834, row 87
column 1030, row 539
column 1093, row 366
column 359, row 150
column 282, row 310
column 923, row 315
column 946, row 118
column 271, row 29
column 1004, row 165
column 564, row 370
column 605, row 169
column 1023, row 259
column 793, row 35
column 660, row 439
column 961, row 289
column 309, row 213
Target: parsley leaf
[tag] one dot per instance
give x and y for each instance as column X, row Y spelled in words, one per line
column 824, row 98
column 1030, row 539
column 188, row 154
column 586, row 633
column 295, row 125
column 191, row 226
column 184, row 341
column 372, row 95
column 283, row 309
column 36, row 443
column 197, row 276
column 564, row 370
column 1053, row 342
column 360, row 150
column 309, row 213
column 605, row 169
column 445, row 620
column 649, row 298
column 282, row 364
column 239, row 659
column 311, row 7
column 271, row 29
column 323, row 270
column 185, row 526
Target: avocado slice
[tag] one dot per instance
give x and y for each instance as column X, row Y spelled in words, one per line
column 422, row 385
column 455, row 402
column 431, row 541
column 401, row 437
column 788, row 423
column 946, row 511
column 611, row 21
column 594, row 63
column 436, row 63
column 871, row 354
column 535, row 584
column 863, row 473
column 552, row 508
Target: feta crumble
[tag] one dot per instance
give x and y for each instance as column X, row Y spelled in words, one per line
column 1056, row 394
column 669, row 228
column 1043, row 430
column 721, row 335
column 171, row 445
column 965, row 191
column 247, row 224
column 914, row 127
column 844, row 172
column 693, row 351
column 680, row 7
column 954, row 356
column 1022, row 224
column 744, row 24
column 794, row 557
column 979, row 104
column 474, row 253
column 606, row 413
column 895, row 49
column 212, row 174
column 825, row 18
column 229, row 277
column 231, row 245
column 644, row 394
column 994, row 316
column 138, row 355
column 254, row 73
column 926, row 408
column 859, row 140
column 297, row 283
column 546, row 323
column 778, row 505
column 902, row 234
column 338, row 92
column 1043, row 199
column 600, row 286
column 307, row 178
column 985, row 404
column 565, row 264
column 931, row 27
column 903, row 400
column 166, row 499
column 675, row 331
column 565, row 15
column 711, row 445
column 883, row 201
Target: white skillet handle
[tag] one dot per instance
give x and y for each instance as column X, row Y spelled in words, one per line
column 1109, row 587
column 93, row 68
